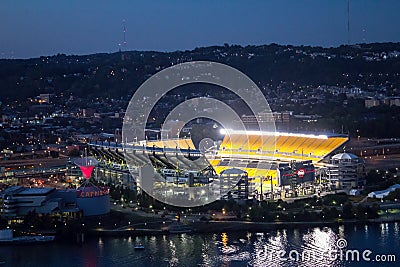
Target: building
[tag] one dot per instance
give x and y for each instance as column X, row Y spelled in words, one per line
column 369, row 103
column 118, row 135
column 272, row 164
column 389, row 101
column 276, row 162
column 236, row 179
column 277, row 117
column 394, row 102
column 19, row 201
column 44, row 98
column 346, row 171
column 93, row 200
column 88, row 112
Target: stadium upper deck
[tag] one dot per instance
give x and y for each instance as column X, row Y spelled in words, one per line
column 182, row 143
column 277, row 145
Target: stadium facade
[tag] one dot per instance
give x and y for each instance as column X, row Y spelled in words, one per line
column 276, row 164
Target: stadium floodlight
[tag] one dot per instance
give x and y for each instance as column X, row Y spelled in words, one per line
column 320, row 136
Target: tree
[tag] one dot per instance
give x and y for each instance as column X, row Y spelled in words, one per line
column 394, row 195
column 348, row 212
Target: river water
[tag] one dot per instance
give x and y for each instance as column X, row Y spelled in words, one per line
column 319, row 246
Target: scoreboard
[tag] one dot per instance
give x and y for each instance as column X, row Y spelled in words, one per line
column 296, row 172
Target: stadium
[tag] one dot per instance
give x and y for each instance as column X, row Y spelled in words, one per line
column 267, row 165
column 288, row 162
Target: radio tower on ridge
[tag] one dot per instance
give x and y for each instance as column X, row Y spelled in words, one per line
column 348, row 22
column 122, row 48
column 124, row 31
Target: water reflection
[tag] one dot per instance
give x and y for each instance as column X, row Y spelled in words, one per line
column 341, row 231
column 396, row 229
column 224, row 237
column 221, row 249
column 384, row 233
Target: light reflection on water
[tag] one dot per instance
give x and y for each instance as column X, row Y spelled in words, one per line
column 221, row 249
column 384, row 234
column 396, row 229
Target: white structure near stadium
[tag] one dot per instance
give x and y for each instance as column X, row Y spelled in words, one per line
column 346, row 171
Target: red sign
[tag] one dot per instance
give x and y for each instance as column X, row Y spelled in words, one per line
column 301, row 173
column 92, row 193
column 87, row 171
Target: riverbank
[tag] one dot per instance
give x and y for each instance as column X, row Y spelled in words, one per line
column 239, row 226
column 120, row 224
column 236, row 226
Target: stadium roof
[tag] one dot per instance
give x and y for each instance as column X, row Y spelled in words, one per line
column 36, row 191
column 279, row 145
column 344, row 156
column 277, row 133
column 25, row 191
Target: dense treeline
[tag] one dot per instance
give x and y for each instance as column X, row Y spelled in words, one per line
column 119, row 74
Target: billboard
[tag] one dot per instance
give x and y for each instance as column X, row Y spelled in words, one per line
column 296, row 172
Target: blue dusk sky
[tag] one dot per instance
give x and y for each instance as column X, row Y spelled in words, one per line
column 47, row 27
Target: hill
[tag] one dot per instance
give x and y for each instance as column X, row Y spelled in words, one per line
column 120, row 73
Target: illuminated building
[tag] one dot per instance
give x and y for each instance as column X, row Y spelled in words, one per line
column 346, row 170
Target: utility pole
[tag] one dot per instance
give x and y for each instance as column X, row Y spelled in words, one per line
column 272, row 189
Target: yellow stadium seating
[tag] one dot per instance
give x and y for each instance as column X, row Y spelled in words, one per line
column 184, row 143
column 284, row 146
